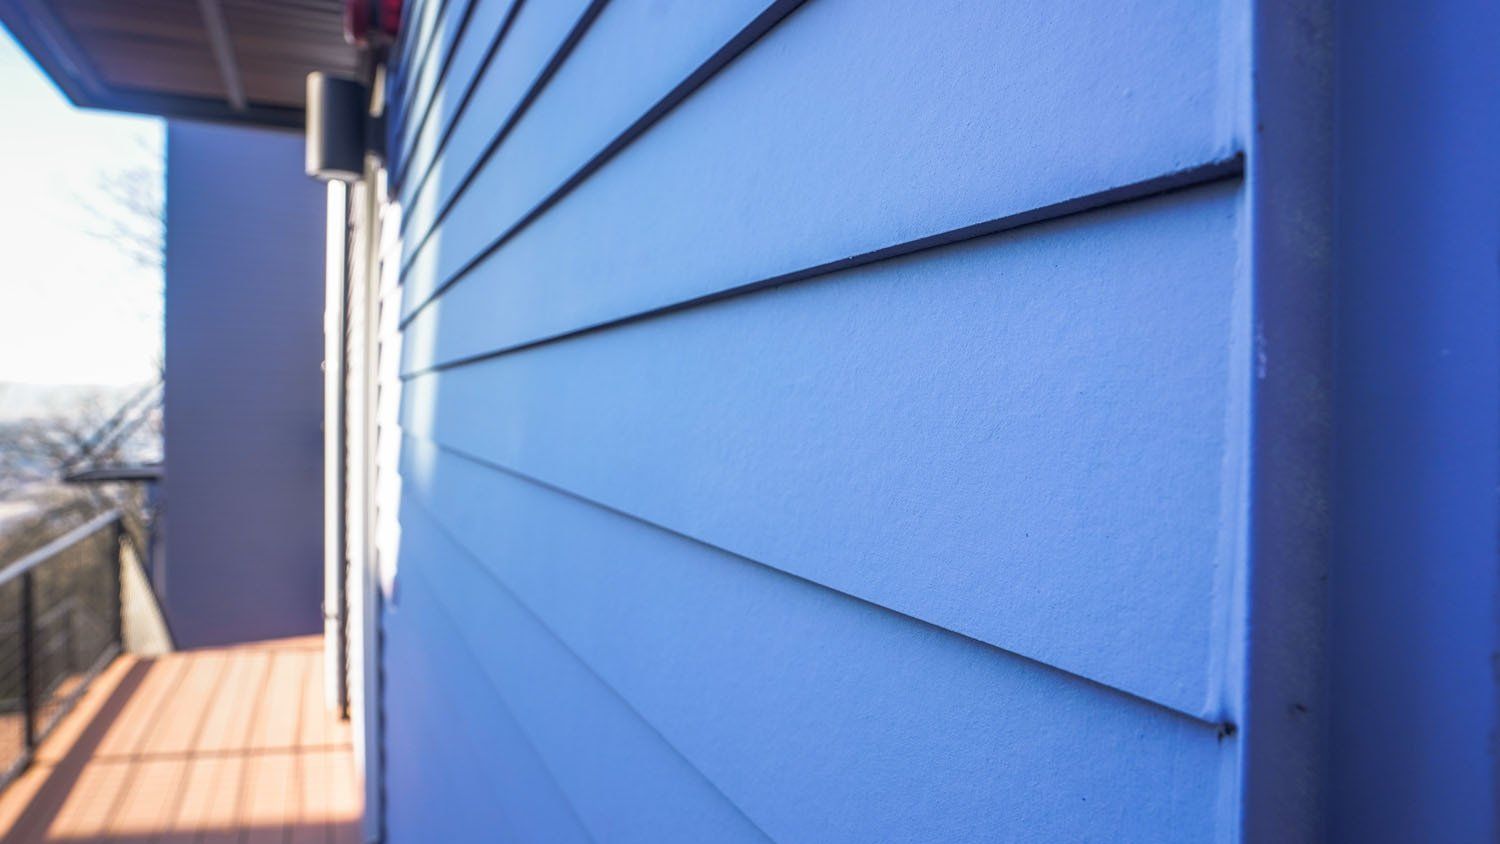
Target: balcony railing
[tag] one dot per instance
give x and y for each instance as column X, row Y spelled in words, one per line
column 60, row 625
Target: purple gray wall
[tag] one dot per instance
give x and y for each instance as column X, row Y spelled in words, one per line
column 1414, row 680
column 244, row 349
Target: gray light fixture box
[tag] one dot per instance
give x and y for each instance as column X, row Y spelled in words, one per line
column 336, row 121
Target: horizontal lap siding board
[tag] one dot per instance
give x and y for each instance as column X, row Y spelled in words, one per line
column 401, row 59
column 709, row 532
column 848, row 128
column 452, row 75
column 618, row 778
column 1010, row 422
column 818, row 717
column 428, row 30
column 500, row 78
column 456, row 757
column 606, row 84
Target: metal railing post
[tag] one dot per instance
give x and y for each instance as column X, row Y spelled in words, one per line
column 44, row 681
column 28, row 666
column 117, row 599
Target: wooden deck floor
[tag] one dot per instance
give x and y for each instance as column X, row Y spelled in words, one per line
column 215, row 745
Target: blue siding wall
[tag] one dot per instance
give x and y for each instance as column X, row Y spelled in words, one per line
column 820, row 421
column 244, row 349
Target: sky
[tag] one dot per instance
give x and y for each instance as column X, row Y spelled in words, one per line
column 74, row 307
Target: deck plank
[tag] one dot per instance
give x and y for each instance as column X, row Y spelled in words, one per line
column 230, row 744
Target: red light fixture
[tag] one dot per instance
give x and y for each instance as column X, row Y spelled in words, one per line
column 371, row 23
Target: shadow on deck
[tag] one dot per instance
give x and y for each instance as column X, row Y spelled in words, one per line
column 229, row 744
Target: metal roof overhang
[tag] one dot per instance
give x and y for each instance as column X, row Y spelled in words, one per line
column 234, row 61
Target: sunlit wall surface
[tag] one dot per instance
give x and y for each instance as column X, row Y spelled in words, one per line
column 823, row 424
column 852, row 420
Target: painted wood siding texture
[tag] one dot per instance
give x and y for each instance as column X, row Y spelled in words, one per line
column 819, row 421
